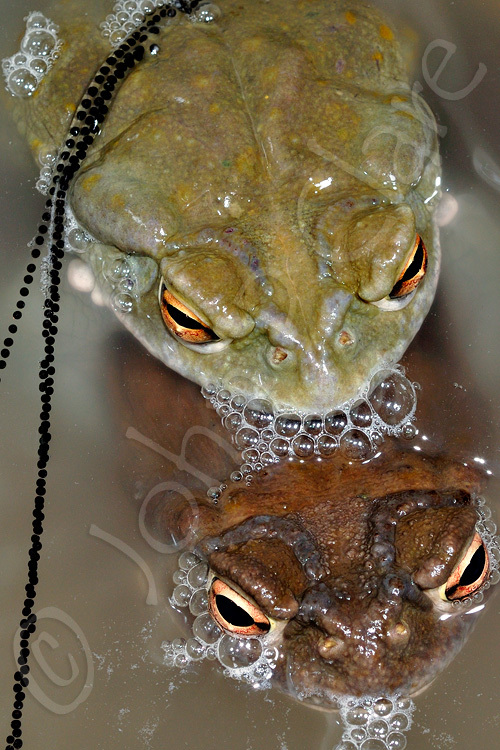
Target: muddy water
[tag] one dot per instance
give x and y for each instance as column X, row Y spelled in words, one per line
column 97, row 678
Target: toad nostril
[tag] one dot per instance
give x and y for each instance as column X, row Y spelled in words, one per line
column 399, row 634
column 330, row 647
column 278, row 356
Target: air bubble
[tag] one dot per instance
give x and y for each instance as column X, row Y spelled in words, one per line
column 205, row 629
column 223, row 410
column 267, row 435
column 287, row 425
column 409, row 431
column 280, row 447
column 378, row 728
column 39, row 66
column 258, row 413
column 123, row 302
column 117, row 36
column 22, row 82
column 399, row 722
column 38, row 42
column 179, row 576
column 313, row 424
column 181, row 595
column 361, row 414
column 335, row 422
column 236, row 653
column 187, row 560
column 250, row 455
column 327, row 445
column 267, row 458
column 181, row 660
column 197, row 575
column 373, row 744
column 238, row 402
column 206, row 13
column 236, row 476
column 198, row 602
column 392, row 396
column 246, row 437
column 224, row 395
column 213, row 493
column 37, row 21
column 355, row 444
column 396, row 741
column 383, row 707
column 78, row 240
column 194, row 649
column 357, row 716
column 358, row 734
column 209, row 390
column 303, row 446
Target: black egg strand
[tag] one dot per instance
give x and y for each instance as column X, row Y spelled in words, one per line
column 88, row 118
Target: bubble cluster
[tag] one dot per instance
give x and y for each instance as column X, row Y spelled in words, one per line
column 487, row 530
column 76, row 239
column 265, row 435
column 249, row 659
column 206, row 12
column 40, row 47
column 375, row 723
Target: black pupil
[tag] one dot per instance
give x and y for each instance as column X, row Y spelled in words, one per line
column 415, row 265
column 232, row 613
column 411, row 271
column 182, row 319
column 474, row 568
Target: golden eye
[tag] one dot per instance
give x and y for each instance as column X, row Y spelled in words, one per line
column 183, row 322
column 235, row 614
column 470, row 573
column 412, row 273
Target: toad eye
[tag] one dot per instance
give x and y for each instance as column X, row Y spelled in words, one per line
column 409, row 279
column 470, row 573
column 235, row 614
column 413, row 272
column 182, row 322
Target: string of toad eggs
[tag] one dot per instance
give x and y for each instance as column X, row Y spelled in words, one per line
column 88, row 118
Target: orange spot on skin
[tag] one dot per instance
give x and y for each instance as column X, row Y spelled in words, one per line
column 386, row 33
column 350, row 18
column 88, row 182
column 378, row 56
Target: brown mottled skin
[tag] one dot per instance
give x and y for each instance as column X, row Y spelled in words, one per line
column 274, row 167
column 372, row 538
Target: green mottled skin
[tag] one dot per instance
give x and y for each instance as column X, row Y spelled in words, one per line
column 290, row 123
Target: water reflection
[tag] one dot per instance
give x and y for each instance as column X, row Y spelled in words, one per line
column 336, row 580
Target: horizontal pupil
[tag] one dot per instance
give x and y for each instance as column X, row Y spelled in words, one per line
column 183, row 320
column 232, row 613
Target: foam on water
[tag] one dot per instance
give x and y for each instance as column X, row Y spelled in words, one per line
column 375, row 723
column 265, row 435
column 40, row 47
column 129, row 14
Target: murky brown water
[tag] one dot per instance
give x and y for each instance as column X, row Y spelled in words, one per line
column 90, row 587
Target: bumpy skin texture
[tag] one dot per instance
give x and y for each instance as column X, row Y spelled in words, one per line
column 274, row 167
column 332, row 549
column 345, row 574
